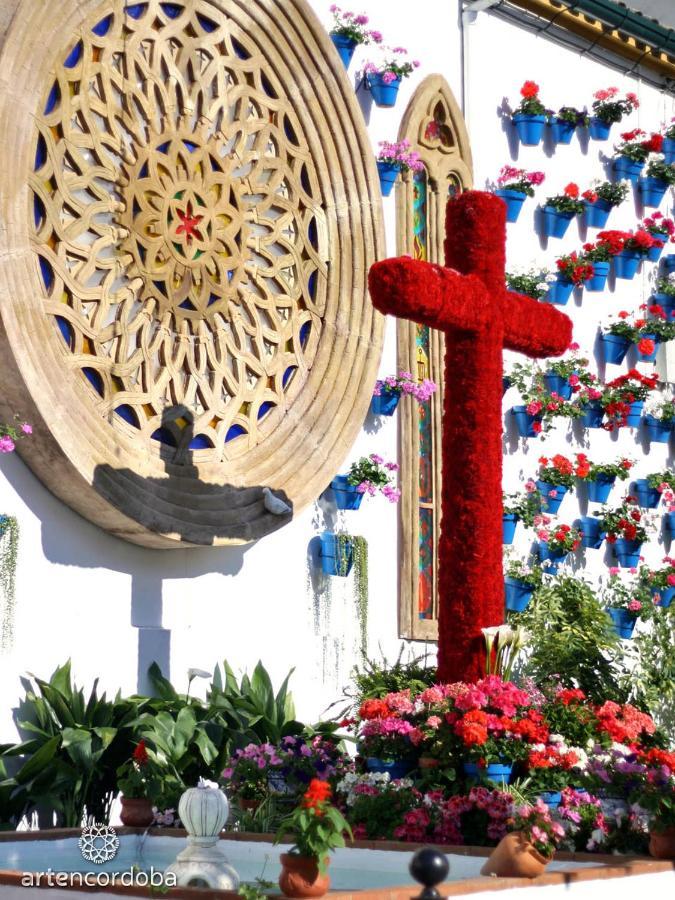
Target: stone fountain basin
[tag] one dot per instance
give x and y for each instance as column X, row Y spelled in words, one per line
column 375, row 870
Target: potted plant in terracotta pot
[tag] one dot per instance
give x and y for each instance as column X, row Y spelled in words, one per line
column 137, row 780
column 529, row 847
column 657, row 795
column 317, row 828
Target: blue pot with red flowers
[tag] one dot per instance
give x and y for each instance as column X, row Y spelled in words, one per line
column 597, row 213
column 657, row 431
column 517, row 594
column 628, row 169
column 385, row 403
column 347, row 496
column 646, row 496
column 514, row 202
column 552, row 495
column 598, row 129
column 383, row 88
column 509, row 522
column 614, row 348
column 528, row 425
column 627, row 552
column 530, row 128
column 598, row 281
column 558, row 384
column 647, row 352
column 635, row 413
column 663, row 596
column 600, row 488
column 665, row 301
column 554, row 222
column 553, row 557
column 562, row 131
column 559, row 291
column 623, row 621
column 627, row 263
column 668, row 150
column 345, row 47
column 591, row 536
column 652, row 190
column 654, row 253
column 388, row 172
column 497, row 773
column 593, row 415
column 395, row 768
column 337, row 554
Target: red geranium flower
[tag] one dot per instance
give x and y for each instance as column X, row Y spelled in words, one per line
column 529, row 90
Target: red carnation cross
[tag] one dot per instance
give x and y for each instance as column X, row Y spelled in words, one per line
column 469, row 302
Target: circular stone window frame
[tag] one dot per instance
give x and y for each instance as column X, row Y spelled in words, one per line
column 139, row 496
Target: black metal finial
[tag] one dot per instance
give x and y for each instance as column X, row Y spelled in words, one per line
column 430, row 867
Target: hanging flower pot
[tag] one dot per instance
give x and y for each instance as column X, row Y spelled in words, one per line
column 623, row 622
column 614, row 347
column 670, row 522
column 600, row 489
column 396, row 768
column 300, row 876
column 551, row 798
column 627, row 552
column 554, row 557
column 525, row 422
column 515, row 857
column 562, row 131
column 652, row 191
column 552, row 496
column 497, row 773
column 647, row 352
column 597, row 213
column 600, row 274
column 383, row 89
column 514, row 202
column 591, row 536
column 669, row 263
column 509, row 522
column 560, row 291
column 345, row 47
column 627, row 263
column 657, row 431
column 346, row 495
column 666, row 301
column 337, row 554
column 668, row 150
column 593, row 415
column 385, row 404
column 654, row 253
column 647, row 497
column 530, row 129
column 558, row 384
column 635, row 413
column 388, row 173
column 628, row 169
column 663, row 596
column 517, row 594
column 598, row 129
column 554, row 222
column 662, row 843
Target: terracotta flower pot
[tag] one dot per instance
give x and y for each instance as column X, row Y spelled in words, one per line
column 300, row 877
column 515, row 857
column 137, row 812
column 249, row 805
column 428, row 762
column 662, row 843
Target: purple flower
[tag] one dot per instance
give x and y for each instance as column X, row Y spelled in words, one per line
column 378, row 460
column 388, row 77
column 376, row 36
column 26, row 428
column 361, row 20
column 6, row 444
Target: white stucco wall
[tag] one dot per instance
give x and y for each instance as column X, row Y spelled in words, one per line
column 86, row 595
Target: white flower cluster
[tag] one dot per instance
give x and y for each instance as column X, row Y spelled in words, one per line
column 351, row 782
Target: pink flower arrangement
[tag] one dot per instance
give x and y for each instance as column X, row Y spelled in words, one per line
column 10, row 434
column 399, row 153
column 352, row 25
column 512, row 179
column 393, row 67
column 404, row 383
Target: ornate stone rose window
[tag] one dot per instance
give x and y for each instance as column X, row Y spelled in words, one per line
column 191, row 209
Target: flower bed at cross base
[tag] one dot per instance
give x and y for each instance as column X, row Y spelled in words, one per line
column 603, row 771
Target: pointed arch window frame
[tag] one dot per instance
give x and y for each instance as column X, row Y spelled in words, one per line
column 434, row 125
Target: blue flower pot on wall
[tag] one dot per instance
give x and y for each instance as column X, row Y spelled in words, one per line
column 517, row 594
column 514, row 203
column 597, row 213
column 525, row 422
column 551, row 504
column 346, row 495
column 657, row 431
column 559, row 291
column 663, row 596
column 384, row 95
column 670, row 522
column 614, row 348
column 593, row 415
column 386, row 403
column 553, row 557
column 530, row 128
column 623, row 622
column 651, row 356
column 557, row 384
column 497, row 773
column 555, row 223
column 669, row 263
column 628, row 169
column 654, row 253
column 627, row 552
column 509, row 522
column 598, row 129
column 396, row 768
column 345, row 47
column 388, row 173
column 647, row 497
column 635, row 413
column 652, row 190
column 665, row 300
column 668, row 150
column 334, row 559
column 627, row 263
column 600, row 274
column 600, row 489
column 591, row 536
column 562, row 132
